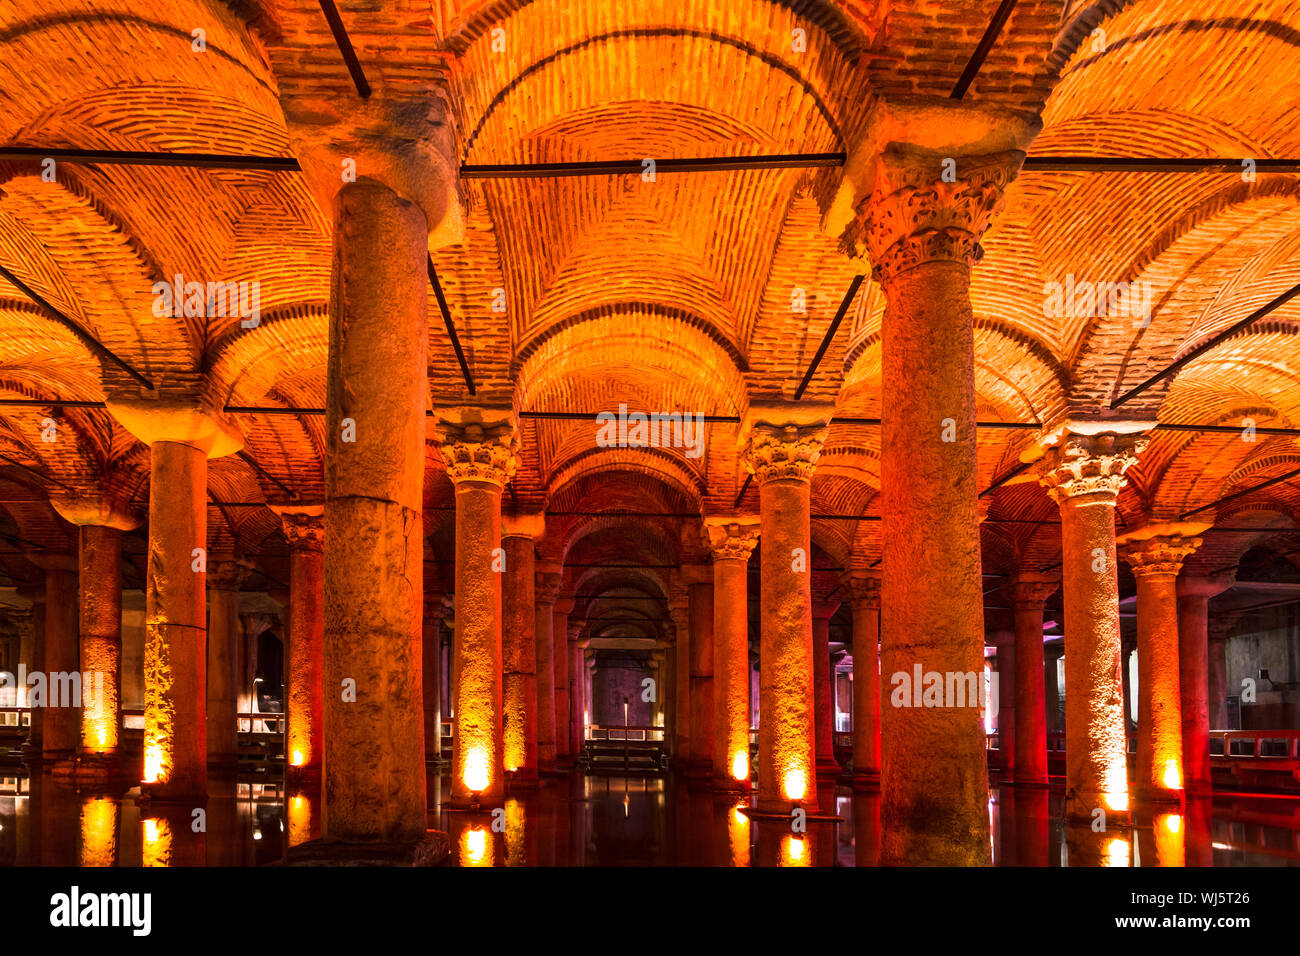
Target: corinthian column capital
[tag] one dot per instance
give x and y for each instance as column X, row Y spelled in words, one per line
column 783, row 442
column 928, row 206
column 478, row 445
column 303, row 525
column 1160, row 548
column 1082, row 459
column 731, row 538
column 863, row 586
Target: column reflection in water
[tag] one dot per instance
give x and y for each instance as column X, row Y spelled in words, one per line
column 1160, row 840
column 476, row 846
column 304, row 821
column 516, row 834
column 1088, row 847
column 738, row 834
column 99, row 819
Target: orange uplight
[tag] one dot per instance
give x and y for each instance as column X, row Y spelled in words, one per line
column 297, row 759
column 98, row 832
column 1173, row 822
column 1117, row 801
column 1117, row 852
column 153, row 763
column 476, row 775
column 792, row 851
column 474, row 847
column 740, row 766
column 1173, row 778
column 795, row 783
column 157, row 850
column 738, row 835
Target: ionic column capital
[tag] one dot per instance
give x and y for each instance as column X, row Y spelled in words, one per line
column 732, row 538
column 783, row 442
column 478, row 444
column 1156, row 554
column 303, row 526
column 930, row 206
column 863, row 585
column 1086, row 459
column 1030, row 591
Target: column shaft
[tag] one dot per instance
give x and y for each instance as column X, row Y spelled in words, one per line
column 519, row 650
column 544, row 642
column 701, row 762
column 223, row 679
column 1031, row 700
column 866, row 691
column 304, row 745
column 101, row 635
column 62, row 715
column 730, row 672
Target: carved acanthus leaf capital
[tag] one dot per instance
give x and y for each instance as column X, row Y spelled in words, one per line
column 928, row 207
column 1031, row 591
column 1161, row 554
column 732, row 540
column 479, row 452
column 864, row 588
column 1085, row 464
column 303, row 530
column 784, row 452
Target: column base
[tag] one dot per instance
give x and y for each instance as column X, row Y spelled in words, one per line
column 522, row 780
column 304, row 776
column 866, row 781
column 152, row 796
column 91, row 771
column 432, row 850
column 1031, row 783
column 1162, row 799
column 813, row 815
column 826, row 769
column 730, row 785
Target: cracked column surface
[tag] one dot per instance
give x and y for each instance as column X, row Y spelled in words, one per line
column 922, row 228
column 304, row 529
column 519, row 646
column 1156, row 554
column 182, row 435
column 226, row 575
column 100, row 524
column 864, row 593
column 781, row 445
column 546, row 584
column 732, row 541
column 1028, row 593
column 1194, row 593
column 478, row 447
column 1083, row 470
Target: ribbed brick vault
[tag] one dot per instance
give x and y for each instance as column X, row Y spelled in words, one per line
column 671, row 295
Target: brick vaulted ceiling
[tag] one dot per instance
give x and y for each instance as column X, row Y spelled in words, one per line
column 667, row 295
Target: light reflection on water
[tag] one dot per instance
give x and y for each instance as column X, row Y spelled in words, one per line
column 610, row 821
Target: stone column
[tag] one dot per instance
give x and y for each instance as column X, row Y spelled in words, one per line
column 519, row 646
column 1156, row 554
column 922, row 228
column 781, row 446
column 864, row 593
column 732, row 540
column 1220, row 629
column 1004, row 666
column 304, row 529
column 436, row 609
column 478, row 447
column 1194, row 593
column 560, row 661
column 1083, row 470
column 1052, row 654
column 577, row 692
column 182, row 436
column 823, row 711
column 1029, row 591
column 700, row 579
column 546, row 583
column 679, row 609
column 226, row 575
column 100, row 526
column 60, row 716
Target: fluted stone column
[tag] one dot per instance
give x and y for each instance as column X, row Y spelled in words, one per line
column 182, row 436
column 519, row 646
column 732, row 540
column 1029, row 591
column 781, row 445
column 304, row 530
column 226, row 575
column 478, row 447
column 1156, row 554
column 560, row 661
column 61, row 715
column 1083, row 470
column 922, row 229
column 1194, row 593
column 823, row 711
column 100, row 525
column 546, row 584
column 864, row 593
column 700, row 581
